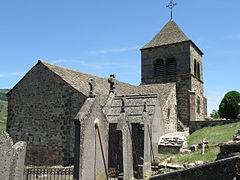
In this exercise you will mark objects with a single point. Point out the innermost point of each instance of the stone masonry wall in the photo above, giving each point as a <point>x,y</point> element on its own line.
<point>185,53</point>
<point>197,84</point>
<point>170,113</point>
<point>196,125</point>
<point>218,170</point>
<point>197,87</point>
<point>40,112</point>
<point>181,52</point>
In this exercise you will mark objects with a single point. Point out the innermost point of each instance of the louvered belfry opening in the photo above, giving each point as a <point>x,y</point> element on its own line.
<point>198,70</point>
<point>159,69</point>
<point>171,66</point>
<point>195,67</point>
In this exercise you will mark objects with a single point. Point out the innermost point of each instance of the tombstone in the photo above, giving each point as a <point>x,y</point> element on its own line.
<point>236,137</point>
<point>17,167</point>
<point>113,83</point>
<point>11,158</point>
<point>6,155</point>
<point>125,127</point>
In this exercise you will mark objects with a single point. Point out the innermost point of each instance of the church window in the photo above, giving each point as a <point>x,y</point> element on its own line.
<point>198,105</point>
<point>195,67</point>
<point>198,70</point>
<point>171,66</point>
<point>159,69</point>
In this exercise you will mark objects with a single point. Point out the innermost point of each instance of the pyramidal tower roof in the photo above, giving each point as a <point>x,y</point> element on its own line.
<point>170,34</point>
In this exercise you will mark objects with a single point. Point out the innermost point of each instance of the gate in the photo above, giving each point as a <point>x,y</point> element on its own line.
<point>48,174</point>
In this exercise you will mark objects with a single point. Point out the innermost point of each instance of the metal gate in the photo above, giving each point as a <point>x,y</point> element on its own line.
<point>48,174</point>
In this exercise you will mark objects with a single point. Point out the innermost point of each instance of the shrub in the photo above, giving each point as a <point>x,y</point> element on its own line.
<point>228,107</point>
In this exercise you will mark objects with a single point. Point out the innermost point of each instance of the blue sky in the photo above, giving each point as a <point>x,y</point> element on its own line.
<point>104,37</point>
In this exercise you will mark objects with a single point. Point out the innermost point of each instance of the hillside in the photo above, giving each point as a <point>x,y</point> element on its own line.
<point>213,135</point>
<point>3,113</point>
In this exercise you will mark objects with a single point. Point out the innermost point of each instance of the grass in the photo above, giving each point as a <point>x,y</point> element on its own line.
<point>214,135</point>
<point>3,113</point>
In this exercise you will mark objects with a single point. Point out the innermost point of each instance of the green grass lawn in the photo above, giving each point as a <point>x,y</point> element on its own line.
<point>3,113</point>
<point>214,135</point>
<point>2,126</point>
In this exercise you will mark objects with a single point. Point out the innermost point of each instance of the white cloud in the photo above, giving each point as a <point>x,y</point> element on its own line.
<point>114,50</point>
<point>59,61</point>
<point>11,74</point>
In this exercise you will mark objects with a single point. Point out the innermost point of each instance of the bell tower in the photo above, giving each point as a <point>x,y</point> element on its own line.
<point>171,57</point>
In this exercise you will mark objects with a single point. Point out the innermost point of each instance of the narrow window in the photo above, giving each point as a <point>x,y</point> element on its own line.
<point>159,69</point>
<point>171,66</point>
<point>198,70</point>
<point>198,105</point>
<point>168,113</point>
<point>195,67</point>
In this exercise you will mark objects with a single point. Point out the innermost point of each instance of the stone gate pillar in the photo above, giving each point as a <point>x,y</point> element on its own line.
<point>125,127</point>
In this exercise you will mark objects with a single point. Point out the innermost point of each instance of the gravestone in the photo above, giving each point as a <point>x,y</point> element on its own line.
<point>12,158</point>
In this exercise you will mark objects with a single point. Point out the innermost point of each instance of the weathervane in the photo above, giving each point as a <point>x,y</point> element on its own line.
<point>171,6</point>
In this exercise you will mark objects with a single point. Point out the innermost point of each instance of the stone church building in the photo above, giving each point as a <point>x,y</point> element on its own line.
<point>68,117</point>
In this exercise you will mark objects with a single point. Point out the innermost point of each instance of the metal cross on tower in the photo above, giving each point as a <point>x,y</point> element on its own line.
<point>171,6</point>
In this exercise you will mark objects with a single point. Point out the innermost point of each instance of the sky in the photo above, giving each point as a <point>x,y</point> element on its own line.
<point>102,37</point>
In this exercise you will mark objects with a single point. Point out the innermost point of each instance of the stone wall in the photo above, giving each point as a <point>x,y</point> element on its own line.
<point>185,53</point>
<point>197,87</point>
<point>40,111</point>
<point>11,158</point>
<point>170,113</point>
<point>218,170</point>
<point>196,125</point>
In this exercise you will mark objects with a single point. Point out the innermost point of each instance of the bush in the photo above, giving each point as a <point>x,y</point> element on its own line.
<point>228,107</point>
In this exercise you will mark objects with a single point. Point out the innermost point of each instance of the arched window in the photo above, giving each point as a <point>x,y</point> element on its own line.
<point>171,67</point>
<point>198,105</point>
<point>159,69</point>
<point>198,70</point>
<point>195,67</point>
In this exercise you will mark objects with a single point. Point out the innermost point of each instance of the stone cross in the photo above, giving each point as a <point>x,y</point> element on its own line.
<point>92,85</point>
<point>123,100</point>
<point>171,6</point>
<point>145,107</point>
<point>203,146</point>
<point>113,83</point>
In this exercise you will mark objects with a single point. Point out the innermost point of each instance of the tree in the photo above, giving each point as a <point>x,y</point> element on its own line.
<point>228,107</point>
<point>214,114</point>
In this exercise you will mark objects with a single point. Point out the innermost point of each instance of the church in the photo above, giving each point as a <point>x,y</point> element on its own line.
<point>68,117</point>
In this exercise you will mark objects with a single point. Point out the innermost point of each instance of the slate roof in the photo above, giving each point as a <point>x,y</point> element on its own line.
<point>134,105</point>
<point>79,80</point>
<point>170,34</point>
